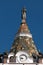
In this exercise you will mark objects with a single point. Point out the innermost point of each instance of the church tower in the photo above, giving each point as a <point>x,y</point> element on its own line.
<point>23,40</point>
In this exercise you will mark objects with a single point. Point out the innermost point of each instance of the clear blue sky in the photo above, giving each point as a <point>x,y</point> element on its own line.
<point>10,19</point>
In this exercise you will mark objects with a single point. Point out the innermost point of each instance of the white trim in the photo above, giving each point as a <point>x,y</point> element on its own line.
<point>24,34</point>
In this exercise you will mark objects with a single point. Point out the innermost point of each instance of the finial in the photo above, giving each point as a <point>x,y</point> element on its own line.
<point>23,14</point>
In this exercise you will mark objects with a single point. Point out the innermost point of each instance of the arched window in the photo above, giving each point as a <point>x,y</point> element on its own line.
<point>11,59</point>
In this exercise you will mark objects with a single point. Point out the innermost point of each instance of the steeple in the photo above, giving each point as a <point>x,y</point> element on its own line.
<point>23,40</point>
<point>23,15</point>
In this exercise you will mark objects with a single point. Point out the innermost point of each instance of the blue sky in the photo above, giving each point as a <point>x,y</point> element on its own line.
<point>10,19</point>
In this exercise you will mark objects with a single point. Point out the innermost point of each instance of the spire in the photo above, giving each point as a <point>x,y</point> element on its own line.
<point>23,15</point>
<point>23,40</point>
<point>23,27</point>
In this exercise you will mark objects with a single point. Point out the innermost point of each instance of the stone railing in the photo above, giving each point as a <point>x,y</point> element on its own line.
<point>20,64</point>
